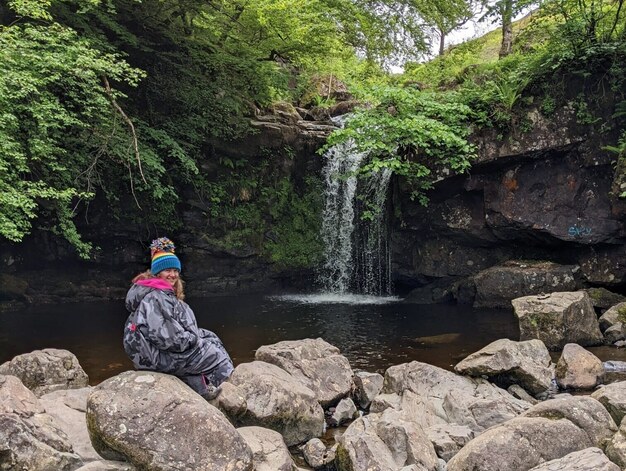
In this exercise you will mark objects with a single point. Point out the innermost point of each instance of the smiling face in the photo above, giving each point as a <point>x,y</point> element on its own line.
<point>170,275</point>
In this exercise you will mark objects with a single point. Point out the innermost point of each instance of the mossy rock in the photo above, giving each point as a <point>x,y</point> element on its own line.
<point>602,298</point>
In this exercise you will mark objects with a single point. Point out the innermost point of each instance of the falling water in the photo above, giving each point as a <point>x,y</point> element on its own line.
<point>354,226</point>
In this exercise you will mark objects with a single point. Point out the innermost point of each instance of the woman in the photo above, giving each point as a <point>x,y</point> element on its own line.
<point>161,333</point>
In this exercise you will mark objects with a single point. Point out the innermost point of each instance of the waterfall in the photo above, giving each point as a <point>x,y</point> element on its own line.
<point>354,226</point>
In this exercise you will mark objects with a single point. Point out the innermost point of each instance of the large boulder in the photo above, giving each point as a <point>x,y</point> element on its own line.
<point>613,398</point>
<point>520,444</point>
<point>30,439</point>
<point>583,411</point>
<point>578,368</point>
<point>433,396</point>
<point>497,286</point>
<point>558,319</point>
<point>269,451</point>
<point>385,442</point>
<point>315,363</point>
<point>508,362</point>
<point>278,401</point>
<point>156,422</point>
<point>44,371</point>
<point>584,460</point>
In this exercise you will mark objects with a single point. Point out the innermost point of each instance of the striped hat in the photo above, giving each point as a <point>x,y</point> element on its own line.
<point>162,253</point>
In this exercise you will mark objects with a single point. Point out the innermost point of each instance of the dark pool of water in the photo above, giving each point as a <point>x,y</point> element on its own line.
<point>372,336</point>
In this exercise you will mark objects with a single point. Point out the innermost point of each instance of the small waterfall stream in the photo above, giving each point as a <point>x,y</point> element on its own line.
<point>354,226</point>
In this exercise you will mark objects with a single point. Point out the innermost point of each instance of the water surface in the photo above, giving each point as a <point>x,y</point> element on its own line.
<point>373,332</point>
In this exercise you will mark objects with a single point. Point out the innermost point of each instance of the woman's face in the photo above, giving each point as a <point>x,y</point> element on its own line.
<point>170,275</point>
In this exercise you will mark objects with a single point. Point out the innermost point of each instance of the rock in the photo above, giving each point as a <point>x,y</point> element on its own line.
<point>614,333</point>
<point>578,368</point>
<point>30,439</point>
<point>106,466</point>
<point>317,455</point>
<point>269,452</point>
<point>498,285</point>
<point>367,386</point>
<point>584,460</point>
<point>68,409</point>
<point>519,392</point>
<point>44,371</point>
<point>558,319</point>
<point>507,362</point>
<point>231,400</point>
<point>612,316</point>
<point>602,298</point>
<point>616,448</point>
<point>613,398</point>
<point>278,401</point>
<point>433,396</point>
<point>520,444</point>
<point>344,412</point>
<point>583,411</point>
<point>449,439</point>
<point>385,442</point>
<point>156,422</point>
<point>313,362</point>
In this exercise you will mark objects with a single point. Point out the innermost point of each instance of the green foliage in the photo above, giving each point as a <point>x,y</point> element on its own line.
<point>418,135</point>
<point>256,208</point>
<point>54,110</point>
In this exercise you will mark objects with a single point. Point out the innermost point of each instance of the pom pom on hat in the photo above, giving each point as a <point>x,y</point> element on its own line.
<point>162,254</point>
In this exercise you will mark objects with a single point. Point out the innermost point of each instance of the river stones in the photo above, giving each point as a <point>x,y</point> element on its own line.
<point>315,363</point>
<point>583,411</point>
<point>44,371</point>
<point>508,362</point>
<point>278,401</point>
<point>558,319</point>
<point>30,439</point>
<point>269,452</point>
<point>433,396</point>
<point>616,449</point>
<point>578,368</point>
<point>613,315</point>
<point>613,398</point>
<point>520,444</point>
<point>385,442</point>
<point>367,386</point>
<point>584,460</point>
<point>156,422</point>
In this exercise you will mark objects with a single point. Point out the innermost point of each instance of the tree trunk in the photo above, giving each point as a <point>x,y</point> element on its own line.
<point>442,41</point>
<point>507,28</point>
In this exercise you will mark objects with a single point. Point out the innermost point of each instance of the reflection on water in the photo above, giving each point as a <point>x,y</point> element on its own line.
<point>373,333</point>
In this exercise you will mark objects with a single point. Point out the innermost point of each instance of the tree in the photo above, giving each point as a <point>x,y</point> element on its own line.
<point>504,11</point>
<point>446,17</point>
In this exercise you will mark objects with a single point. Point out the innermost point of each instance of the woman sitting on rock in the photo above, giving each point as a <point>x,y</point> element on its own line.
<point>162,334</point>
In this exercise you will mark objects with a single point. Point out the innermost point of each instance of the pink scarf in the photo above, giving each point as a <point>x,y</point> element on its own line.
<point>156,283</point>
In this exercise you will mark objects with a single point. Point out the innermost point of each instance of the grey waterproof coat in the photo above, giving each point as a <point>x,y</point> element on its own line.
<point>161,334</point>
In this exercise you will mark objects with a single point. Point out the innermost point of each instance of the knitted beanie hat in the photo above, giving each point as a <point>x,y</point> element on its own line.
<point>162,254</point>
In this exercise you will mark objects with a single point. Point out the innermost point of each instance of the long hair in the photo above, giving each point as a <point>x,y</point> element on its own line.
<point>179,286</point>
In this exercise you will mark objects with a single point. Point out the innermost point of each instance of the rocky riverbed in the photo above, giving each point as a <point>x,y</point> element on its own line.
<point>505,407</point>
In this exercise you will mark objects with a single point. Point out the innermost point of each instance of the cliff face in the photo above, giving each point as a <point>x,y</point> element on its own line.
<point>540,195</point>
